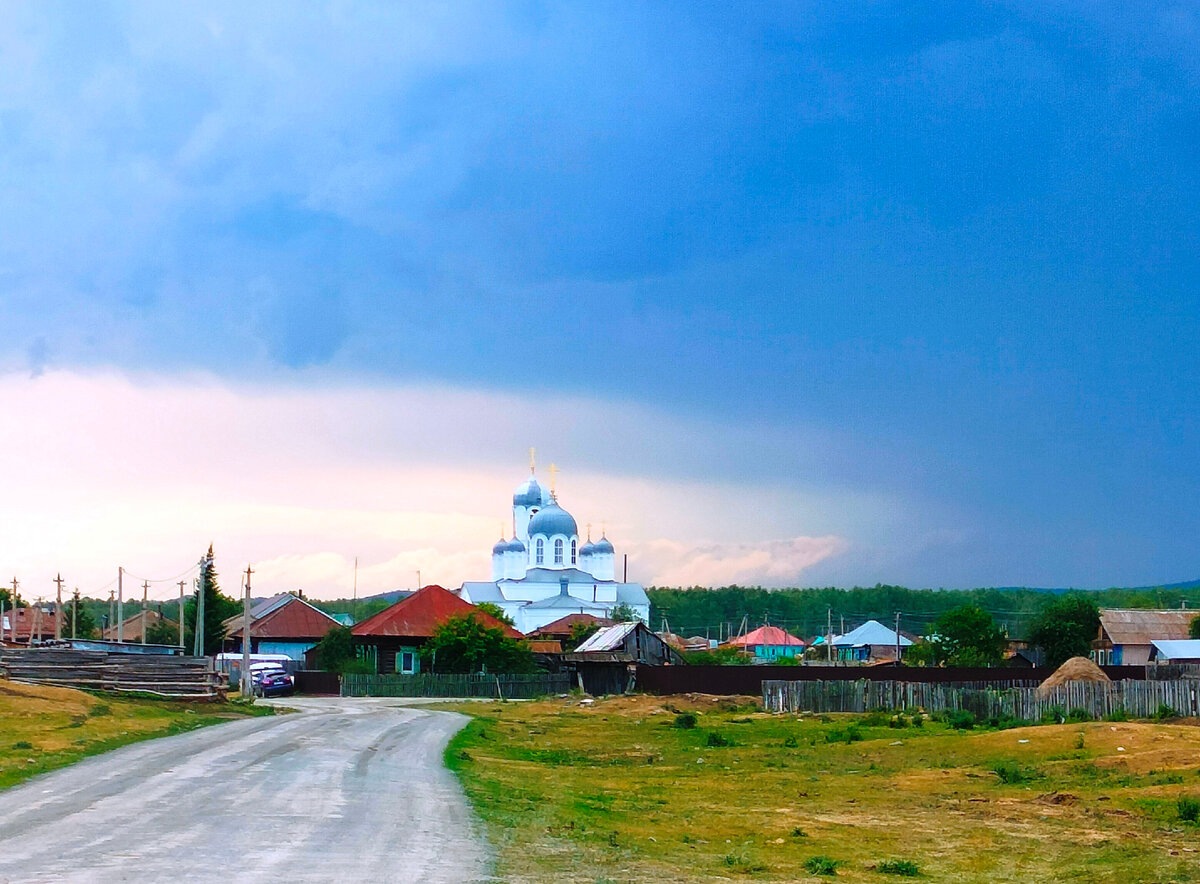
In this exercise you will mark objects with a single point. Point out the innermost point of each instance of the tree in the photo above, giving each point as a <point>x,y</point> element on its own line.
<point>624,613</point>
<point>968,636</point>
<point>163,632</point>
<point>1065,627</point>
<point>494,610</point>
<point>86,628</point>
<point>217,608</point>
<point>581,632</point>
<point>335,652</point>
<point>464,643</point>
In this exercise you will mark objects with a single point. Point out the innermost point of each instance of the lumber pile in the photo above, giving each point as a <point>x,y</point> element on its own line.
<point>191,678</point>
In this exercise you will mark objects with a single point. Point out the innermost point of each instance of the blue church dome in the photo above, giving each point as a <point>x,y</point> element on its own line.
<point>515,545</point>
<point>529,493</point>
<point>501,546</point>
<point>602,546</point>
<point>587,549</point>
<point>552,520</point>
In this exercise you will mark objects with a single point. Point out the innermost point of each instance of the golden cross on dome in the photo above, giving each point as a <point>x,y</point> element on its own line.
<point>554,481</point>
<point>589,532</point>
<point>532,460</point>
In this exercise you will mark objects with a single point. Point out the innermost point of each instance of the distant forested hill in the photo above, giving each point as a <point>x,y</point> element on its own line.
<point>805,612</point>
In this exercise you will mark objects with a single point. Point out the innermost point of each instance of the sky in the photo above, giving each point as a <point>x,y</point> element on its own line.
<point>827,294</point>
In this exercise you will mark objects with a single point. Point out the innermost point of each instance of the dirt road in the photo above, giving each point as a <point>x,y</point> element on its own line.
<point>347,790</point>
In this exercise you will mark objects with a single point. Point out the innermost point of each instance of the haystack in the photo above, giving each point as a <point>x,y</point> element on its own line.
<point>1075,669</point>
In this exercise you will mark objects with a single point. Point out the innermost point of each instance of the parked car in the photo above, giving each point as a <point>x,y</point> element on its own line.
<point>271,680</point>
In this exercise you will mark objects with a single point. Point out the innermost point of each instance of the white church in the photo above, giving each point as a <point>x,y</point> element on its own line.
<point>543,573</point>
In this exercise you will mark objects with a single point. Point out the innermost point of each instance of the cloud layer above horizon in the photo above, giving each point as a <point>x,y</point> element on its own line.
<point>833,294</point>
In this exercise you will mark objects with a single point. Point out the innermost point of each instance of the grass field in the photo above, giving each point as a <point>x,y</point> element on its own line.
<point>622,790</point>
<point>44,728</point>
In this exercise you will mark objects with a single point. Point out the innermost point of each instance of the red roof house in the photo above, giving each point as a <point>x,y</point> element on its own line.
<point>768,642</point>
<point>561,629</point>
<point>284,624</point>
<point>393,637</point>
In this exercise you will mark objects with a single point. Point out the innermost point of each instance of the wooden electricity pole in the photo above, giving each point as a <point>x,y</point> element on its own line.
<point>58,581</point>
<point>75,614</point>
<point>897,638</point>
<point>181,584</point>
<point>247,686</point>
<point>120,605</point>
<point>200,610</point>
<point>145,602</point>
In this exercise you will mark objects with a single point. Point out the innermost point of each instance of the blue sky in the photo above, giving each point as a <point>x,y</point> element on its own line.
<point>941,256</point>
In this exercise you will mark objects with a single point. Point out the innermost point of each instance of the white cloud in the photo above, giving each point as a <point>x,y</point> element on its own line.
<point>104,470</point>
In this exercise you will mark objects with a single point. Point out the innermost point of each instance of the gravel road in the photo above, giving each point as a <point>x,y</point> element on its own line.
<point>347,790</point>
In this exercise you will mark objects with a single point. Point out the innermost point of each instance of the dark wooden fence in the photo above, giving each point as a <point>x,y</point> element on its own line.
<point>187,678</point>
<point>1139,699</point>
<point>749,679</point>
<point>313,681</point>
<point>508,687</point>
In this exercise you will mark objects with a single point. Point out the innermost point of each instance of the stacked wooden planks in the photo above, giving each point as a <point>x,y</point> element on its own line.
<point>190,678</point>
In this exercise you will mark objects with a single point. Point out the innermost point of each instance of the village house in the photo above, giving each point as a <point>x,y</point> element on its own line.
<point>132,628</point>
<point>562,629</point>
<point>1127,635</point>
<point>34,623</point>
<point>869,643</point>
<point>606,662</point>
<point>285,624</point>
<point>768,643</point>
<point>392,639</point>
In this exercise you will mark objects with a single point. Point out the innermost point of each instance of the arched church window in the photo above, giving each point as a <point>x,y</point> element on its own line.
<point>541,551</point>
<point>558,551</point>
<point>573,542</point>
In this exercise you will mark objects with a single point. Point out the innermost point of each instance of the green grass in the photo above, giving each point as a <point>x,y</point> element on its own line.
<point>616,791</point>
<point>43,729</point>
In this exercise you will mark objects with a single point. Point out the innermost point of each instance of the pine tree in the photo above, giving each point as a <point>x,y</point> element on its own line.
<point>86,628</point>
<point>217,608</point>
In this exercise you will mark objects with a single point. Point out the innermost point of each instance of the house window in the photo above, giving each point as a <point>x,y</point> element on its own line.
<point>541,551</point>
<point>407,661</point>
<point>558,551</point>
<point>573,542</point>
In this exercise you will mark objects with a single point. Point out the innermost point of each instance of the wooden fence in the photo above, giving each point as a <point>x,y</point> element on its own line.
<point>1139,699</point>
<point>507,687</point>
<point>190,678</point>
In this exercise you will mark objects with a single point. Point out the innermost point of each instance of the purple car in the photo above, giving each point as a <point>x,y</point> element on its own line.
<point>271,680</point>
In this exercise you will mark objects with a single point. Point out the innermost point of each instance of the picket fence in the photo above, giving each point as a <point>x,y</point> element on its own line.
<point>1139,699</point>
<point>505,687</point>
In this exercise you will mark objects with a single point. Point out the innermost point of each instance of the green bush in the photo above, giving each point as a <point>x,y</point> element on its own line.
<point>715,739</point>
<point>1187,808</point>
<point>821,865</point>
<point>23,744</point>
<point>1163,712</point>
<point>902,867</point>
<point>1005,722</point>
<point>851,734</point>
<point>1012,774</point>
<point>1078,716</point>
<point>1054,715</point>
<point>960,720</point>
<point>875,718</point>
<point>1118,714</point>
<point>685,721</point>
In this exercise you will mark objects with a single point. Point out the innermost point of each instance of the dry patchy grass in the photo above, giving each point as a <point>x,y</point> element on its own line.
<point>44,728</point>
<point>614,791</point>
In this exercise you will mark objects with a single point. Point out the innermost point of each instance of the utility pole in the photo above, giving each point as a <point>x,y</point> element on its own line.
<point>829,634</point>
<point>112,609</point>
<point>200,609</point>
<point>246,683</point>
<point>897,638</point>
<point>58,581</point>
<point>354,597</point>
<point>12,614</point>
<point>181,584</point>
<point>120,605</point>
<point>145,602</point>
<point>75,614</point>
<point>35,622</point>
